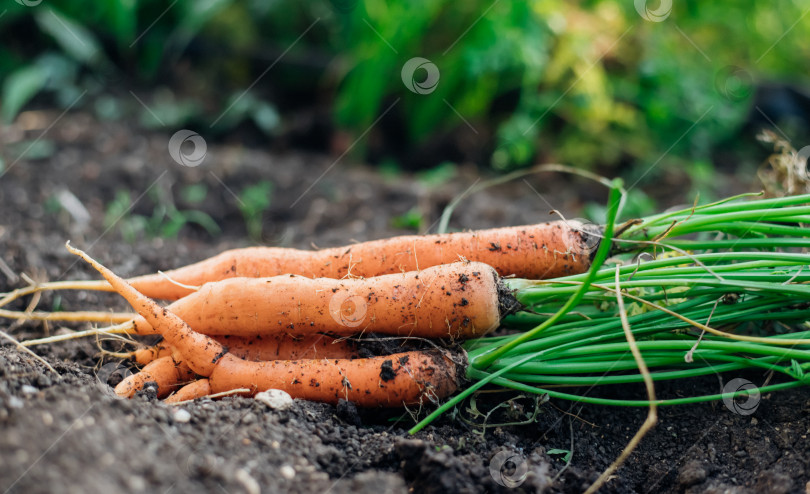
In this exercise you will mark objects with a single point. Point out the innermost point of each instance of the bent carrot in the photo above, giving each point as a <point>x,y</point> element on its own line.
<point>200,352</point>
<point>459,300</point>
<point>541,251</point>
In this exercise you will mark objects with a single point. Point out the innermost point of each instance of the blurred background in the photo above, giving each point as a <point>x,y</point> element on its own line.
<point>657,92</point>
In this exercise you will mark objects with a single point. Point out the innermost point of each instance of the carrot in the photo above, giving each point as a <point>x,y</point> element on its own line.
<point>191,391</point>
<point>165,371</point>
<point>271,347</point>
<point>459,300</point>
<point>389,381</point>
<point>376,381</point>
<point>144,356</point>
<point>200,352</point>
<point>541,251</point>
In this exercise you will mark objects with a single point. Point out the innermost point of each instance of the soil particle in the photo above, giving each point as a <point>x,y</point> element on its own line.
<point>387,371</point>
<point>693,472</point>
<point>347,412</point>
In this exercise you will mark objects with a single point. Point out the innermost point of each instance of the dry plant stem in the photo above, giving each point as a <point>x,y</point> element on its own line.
<point>652,415</point>
<point>80,316</point>
<point>98,285</point>
<point>124,328</point>
<point>28,351</point>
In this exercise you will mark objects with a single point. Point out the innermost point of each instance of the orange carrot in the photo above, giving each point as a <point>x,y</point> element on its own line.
<point>200,352</point>
<point>459,300</point>
<point>389,381</point>
<point>144,356</point>
<point>546,250</point>
<point>408,378</point>
<point>196,389</point>
<point>165,371</point>
<point>270,347</point>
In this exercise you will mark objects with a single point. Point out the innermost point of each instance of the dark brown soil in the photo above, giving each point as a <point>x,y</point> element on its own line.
<point>66,432</point>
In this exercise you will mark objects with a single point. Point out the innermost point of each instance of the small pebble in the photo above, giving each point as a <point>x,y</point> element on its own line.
<point>248,483</point>
<point>27,389</point>
<point>15,402</point>
<point>275,399</point>
<point>287,472</point>
<point>181,416</point>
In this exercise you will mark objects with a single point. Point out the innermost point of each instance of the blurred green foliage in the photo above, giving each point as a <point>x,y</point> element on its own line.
<point>584,82</point>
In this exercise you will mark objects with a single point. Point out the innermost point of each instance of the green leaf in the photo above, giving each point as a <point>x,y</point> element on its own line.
<point>19,88</point>
<point>253,200</point>
<point>194,193</point>
<point>565,452</point>
<point>412,220</point>
<point>76,40</point>
<point>266,118</point>
<point>37,149</point>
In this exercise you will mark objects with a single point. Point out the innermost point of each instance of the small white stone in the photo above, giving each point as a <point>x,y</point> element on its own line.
<point>275,399</point>
<point>28,389</point>
<point>15,402</point>
<point>287,472</point>
<point>182,416</point>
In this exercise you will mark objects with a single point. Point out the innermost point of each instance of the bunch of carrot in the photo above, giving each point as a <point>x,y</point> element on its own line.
<point>261,318</point>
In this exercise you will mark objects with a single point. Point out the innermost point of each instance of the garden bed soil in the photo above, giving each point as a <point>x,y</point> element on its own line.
<point>67,432</point>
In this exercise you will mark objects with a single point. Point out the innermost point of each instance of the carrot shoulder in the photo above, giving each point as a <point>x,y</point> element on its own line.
<point>546,250</point>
